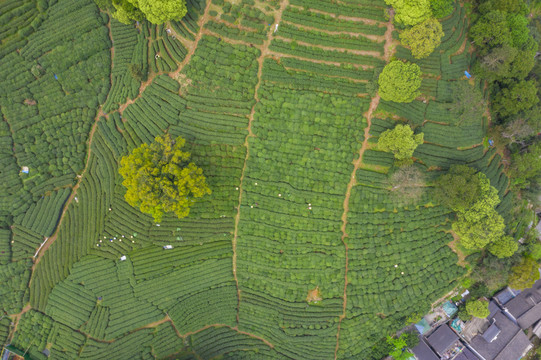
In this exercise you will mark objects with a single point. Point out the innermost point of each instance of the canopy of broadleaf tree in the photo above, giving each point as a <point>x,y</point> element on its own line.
<point>155,11</point>
<point>478,308</point>
<point>159,178</point>
<point>410,12</point>
<point>401,142</point>
<point>524,274</point>
<point>474,200</point>
<point>399,82</point>
<point>423,38</point>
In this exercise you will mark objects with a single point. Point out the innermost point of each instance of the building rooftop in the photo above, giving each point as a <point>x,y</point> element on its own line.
<point>466,354</point>
<point>442,339</point>
<point>491,333</point>
<point>510,340</point>
<point>505,295</point>
<point>423,352</point>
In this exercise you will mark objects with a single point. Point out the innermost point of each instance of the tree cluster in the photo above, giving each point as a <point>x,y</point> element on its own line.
<point>423,31</point>
<point>155,11</point>
<point>474,200</point>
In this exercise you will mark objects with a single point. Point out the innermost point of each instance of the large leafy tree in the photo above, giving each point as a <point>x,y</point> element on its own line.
<point>504,247</point>
<point>160,11</point>
<point>518,97</point>
<point>155,11</point>
<point>478,308</point>
<point>491,30</point>
<point>410,12</point>
<point>423,38</point>
<point>480,224</point>
<point>477,231</point>
<point>525,168</point>
<point>459,188</point>
<point>524,274</point>
<point>159,178</point>
<point>400,81</point>
<point>401,142</point>
<point>399,345</point>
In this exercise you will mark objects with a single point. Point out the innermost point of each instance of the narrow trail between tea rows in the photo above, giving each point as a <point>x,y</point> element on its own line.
<point>264,51</point>
<point>356,165</point>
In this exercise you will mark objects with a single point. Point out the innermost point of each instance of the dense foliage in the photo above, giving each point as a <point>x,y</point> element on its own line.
<point>399,81</point>
<point>524,274</point>
<point>423,38</point>
<point>459,188</point>
<point>478,308</point>
<point>159,178</point>
<point>401,141</point>
<point>155,11</point>
<point>410,12</point>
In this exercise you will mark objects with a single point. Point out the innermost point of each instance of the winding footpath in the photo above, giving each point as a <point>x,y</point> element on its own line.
<point>264,51</point>
<point>388,51</point>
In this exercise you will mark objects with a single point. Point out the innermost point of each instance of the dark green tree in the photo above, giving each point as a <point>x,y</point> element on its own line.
<point>491,30</point>
<point>515,98</point>
<point>459,188</point>
<point>442,8</point>
<point>525,168</point>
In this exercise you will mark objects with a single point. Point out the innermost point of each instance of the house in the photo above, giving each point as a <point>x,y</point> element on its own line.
<point>442,339</point>
<point>466,354</point>
<point>501,340</point>
<point>423,352</point>
<point>525,308</point>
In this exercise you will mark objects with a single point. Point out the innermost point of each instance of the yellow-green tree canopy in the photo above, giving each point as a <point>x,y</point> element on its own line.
<point>410,12</point>
<point>159,178</point>
<point>478,308</point>
<point>399,81</point>
<point>423,38</point>
<point>474,199</point>
<point>401,142</point>
<point>155,11</point>
<point>480,224</point>
<point>503,247</point>
<point>524,274</point>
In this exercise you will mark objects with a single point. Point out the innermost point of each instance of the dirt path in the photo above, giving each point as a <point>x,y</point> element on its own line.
<point>54,236</point>
<point>235,328</point>
<point>264,51</point>
<point>191,50</point>
<point>356,165</point>
<point>453,245</point>
<point>16,319</point>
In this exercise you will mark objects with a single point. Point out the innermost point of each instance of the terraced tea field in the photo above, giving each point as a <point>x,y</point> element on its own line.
<point>299,253</point>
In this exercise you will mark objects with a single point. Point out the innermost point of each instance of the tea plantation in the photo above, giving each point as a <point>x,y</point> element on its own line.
<point>299,253</point>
